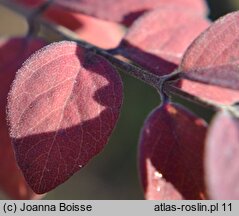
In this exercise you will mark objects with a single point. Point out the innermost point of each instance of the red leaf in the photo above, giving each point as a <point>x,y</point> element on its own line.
<point>209,92</point>
<point>12,54</point>
<point>110,34</point>
<point>171,153</point>
<point>62,108</point>
<point>85,26</point>
<point>159,38</point>
<point>222,153</point>
<point>126,11</point>
<point>213,58</point>
<point>224,75</point>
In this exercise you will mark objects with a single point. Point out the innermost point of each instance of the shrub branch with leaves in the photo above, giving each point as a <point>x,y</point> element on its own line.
<point>64,101</point>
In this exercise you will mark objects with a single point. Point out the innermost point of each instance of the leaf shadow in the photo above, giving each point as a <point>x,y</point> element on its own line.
<point>155,64</point>
<point>129,18</point>
<point>48,159</point>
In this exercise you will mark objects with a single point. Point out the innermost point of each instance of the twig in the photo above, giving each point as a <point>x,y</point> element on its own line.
<point>153,80</point>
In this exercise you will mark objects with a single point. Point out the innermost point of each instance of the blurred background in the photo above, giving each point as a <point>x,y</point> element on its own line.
<point>113,173</point>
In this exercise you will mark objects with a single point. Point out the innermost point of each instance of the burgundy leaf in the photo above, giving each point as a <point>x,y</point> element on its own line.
<point>171,154</point>
<point>222,154</point>
<point>13,53</point>
<point>159,38</point>
<point>210,92</point>
<point>224,75</point>
<point>213,59</point>
<point>126,11</point>
<point>62,109</point>
<point>87,27</point>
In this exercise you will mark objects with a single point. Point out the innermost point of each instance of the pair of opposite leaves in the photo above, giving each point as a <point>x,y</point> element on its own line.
<point>65,102</point>
<point>173,141</point>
